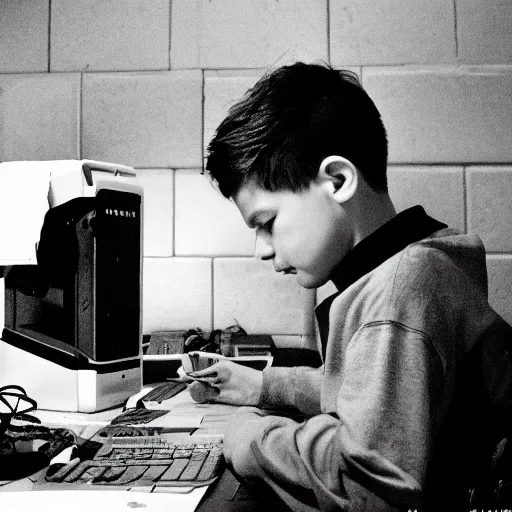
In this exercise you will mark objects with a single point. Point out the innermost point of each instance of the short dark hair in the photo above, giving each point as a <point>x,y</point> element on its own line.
<point>294,117</point>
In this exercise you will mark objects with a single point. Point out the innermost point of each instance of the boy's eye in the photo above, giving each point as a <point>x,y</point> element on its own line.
<point>267,226</point>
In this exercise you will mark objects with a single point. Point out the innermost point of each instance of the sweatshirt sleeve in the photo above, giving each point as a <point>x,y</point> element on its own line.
<point>297,387</point>
<point>368,455</point>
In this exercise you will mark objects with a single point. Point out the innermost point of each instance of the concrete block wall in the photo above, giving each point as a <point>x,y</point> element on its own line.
<point>146,83</point>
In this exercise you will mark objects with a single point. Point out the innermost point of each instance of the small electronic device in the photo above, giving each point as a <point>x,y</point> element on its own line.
<point>163,391</point>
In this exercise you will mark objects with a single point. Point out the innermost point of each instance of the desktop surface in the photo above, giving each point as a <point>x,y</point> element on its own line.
<point>201,424</point>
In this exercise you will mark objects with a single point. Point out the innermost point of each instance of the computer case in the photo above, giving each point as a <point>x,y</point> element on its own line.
<point>73,322</point>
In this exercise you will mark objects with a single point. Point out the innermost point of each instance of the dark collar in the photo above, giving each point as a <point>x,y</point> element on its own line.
<point>407,227</point>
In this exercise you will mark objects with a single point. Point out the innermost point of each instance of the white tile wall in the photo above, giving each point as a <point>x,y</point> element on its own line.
<point>440,190</point>
<point>500,283</point>
<point>365,32</point>
<point>39,116</point>
<point>107,35</point>
<point>247,33</point>
<point>185,34</point>
<point>484,31</point>
<point>158,188</point>
<point>490,206</point>
<point>221,92</point>
<point>249,291</point>
<point>438,115</point>
<point>24,36</point>
<point>208,224</point>
<point>177,294</point>
<point>446,112</point>
<point>143,120</point>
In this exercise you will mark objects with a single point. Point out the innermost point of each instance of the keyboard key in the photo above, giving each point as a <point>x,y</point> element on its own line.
<point>209,469</point>
<point>105,451</point>
<point>174,472</point>
<point>182,454</point>
<point>193,468</point>
<point>155,472</point>
<point>122,454</point>
<point>62,472</point>
<point>91,473</point>
<point>143,453</point>
<point>77,472</point>
<point>110,475</point>
<point>162,454</point>
<point>148,462</point>
<point>131,474</point>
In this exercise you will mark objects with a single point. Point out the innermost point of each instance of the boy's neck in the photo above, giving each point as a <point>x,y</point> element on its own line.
<point>374,210</point>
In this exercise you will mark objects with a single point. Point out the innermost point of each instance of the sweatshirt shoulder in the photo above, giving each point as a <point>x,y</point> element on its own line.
<point>452,242</point>
<point>443,257</point>
<point>447,247</point>
<point>439,269</point>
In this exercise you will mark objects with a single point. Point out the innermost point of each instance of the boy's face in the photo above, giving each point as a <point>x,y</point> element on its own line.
<point>305,233</point>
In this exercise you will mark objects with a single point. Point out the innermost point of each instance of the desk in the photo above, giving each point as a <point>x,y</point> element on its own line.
<point>225,494</point>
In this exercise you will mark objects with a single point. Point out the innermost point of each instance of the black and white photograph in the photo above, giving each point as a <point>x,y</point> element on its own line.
<point>256,255</point>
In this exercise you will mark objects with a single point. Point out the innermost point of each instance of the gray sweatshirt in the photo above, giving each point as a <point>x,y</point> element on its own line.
<point>415,380</point>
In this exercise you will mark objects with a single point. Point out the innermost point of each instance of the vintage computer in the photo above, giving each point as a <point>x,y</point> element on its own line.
<point>73,321</point>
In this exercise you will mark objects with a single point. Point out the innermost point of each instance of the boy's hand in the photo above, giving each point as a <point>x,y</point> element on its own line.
<point>240,431</point>
<point>227,382</point>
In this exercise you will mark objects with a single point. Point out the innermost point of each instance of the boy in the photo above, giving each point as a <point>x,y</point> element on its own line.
<point>416,381</point>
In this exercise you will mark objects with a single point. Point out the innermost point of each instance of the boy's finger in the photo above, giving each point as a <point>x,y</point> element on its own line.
<point>185,379</point>
<point>207,372</point>
<point>205,380</point>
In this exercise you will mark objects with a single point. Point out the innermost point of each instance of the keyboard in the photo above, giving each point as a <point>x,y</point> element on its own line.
<point>145,461</point>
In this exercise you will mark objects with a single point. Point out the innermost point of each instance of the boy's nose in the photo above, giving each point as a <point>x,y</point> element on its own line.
<point>263,248</point>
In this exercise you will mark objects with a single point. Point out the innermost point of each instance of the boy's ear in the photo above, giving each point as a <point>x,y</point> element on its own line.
<point>341,175</point>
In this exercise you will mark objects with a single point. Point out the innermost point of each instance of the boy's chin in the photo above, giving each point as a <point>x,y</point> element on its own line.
<point>310,281</point>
